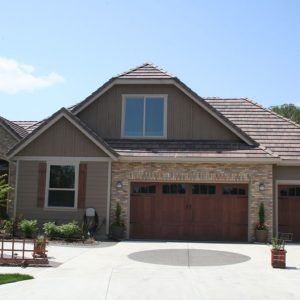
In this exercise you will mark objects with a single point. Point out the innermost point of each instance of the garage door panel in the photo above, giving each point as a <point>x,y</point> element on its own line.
<point>289,210</point>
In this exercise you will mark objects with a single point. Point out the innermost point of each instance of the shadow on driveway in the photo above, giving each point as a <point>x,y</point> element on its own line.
<point>189,257</point>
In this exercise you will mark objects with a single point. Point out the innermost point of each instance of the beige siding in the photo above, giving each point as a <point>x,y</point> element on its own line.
<point>287,173</point>
<point>96,196</point>
<point>186,119</point>
<point>62,139</point>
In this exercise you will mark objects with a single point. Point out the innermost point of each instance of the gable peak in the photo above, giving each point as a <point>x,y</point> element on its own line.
<point>146,70</point>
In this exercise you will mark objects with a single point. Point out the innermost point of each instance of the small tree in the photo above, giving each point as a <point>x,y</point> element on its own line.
<point>5,188</point>
<point>118,222</point>
<point>261,214</point>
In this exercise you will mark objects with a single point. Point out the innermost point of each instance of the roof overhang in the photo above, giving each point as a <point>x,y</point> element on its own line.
<point>177,159</point>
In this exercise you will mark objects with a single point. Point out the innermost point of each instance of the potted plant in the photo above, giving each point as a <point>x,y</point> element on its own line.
<point>40,246</point>
<point>261,230</point>
<point>278,253</point>
<point>117,227</point>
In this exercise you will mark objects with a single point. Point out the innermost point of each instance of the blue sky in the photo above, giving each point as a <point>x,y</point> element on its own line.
<point>55,53</point>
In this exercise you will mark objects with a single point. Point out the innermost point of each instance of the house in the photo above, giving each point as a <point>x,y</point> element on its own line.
<point>182,167</point>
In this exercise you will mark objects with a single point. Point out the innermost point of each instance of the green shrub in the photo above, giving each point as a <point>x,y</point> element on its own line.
<point>28,227</point>
<point>50,229</point>
<point>69,230</point>
<point>8,225</point>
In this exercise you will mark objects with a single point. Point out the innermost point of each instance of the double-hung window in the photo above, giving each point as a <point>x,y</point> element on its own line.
<point>62,186</point>
<point>144,116</point>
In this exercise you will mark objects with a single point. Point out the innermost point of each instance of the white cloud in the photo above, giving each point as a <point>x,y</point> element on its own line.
<point>16,77</point>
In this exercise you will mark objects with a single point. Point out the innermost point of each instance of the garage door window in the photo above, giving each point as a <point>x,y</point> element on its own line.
<point>144,189</point>
<point>229,190</point>
<point>291,192</point>
<point>203,189</point>
<point>177,188</point>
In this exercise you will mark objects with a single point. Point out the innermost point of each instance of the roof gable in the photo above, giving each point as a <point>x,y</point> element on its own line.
<point>150,74</point>
<point>54,119</point>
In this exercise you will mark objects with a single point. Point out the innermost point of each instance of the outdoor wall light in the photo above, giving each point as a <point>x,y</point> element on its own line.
<point>119,184</point>
<point>261,187</point>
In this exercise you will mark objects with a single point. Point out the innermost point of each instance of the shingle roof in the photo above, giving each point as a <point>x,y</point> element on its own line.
<point>187,149</point>
<point>278,134</point>
<point>14,128</point>
<point>27,125</point>
<point>146,70</point>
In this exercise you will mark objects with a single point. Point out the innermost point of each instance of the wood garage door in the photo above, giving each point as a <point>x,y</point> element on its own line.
<point>289,210</point>
<point>189,211</point>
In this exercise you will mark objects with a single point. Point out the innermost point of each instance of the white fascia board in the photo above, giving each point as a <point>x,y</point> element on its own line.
<point>62,158</point>
<point>197,159</point>
<point>290,162</point>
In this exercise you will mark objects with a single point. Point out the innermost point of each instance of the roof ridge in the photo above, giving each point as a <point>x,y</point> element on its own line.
<point>272,112</point>
<point>143,65</point>
<point>223,98</point>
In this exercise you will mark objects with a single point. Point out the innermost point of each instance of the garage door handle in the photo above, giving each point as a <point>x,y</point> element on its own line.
<point>133,222</point>
<point>188,206</point>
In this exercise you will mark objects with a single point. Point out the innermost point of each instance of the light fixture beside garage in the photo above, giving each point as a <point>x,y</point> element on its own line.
<point>261,187</point>
<point>119,185</point>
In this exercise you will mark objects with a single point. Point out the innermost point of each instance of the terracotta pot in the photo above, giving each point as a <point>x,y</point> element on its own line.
<point>261,235</point>
<point>278,258</point>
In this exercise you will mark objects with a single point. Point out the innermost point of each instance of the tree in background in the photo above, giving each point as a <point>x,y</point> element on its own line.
<point>289,111</point>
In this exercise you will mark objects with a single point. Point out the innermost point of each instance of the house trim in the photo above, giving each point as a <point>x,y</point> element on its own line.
<point>108,198</point>
<point>176,159</point>
<point>16,191</point>
<point>62,159</point>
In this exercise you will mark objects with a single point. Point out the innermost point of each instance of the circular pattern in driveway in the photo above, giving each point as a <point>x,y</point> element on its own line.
<point>189,257</point>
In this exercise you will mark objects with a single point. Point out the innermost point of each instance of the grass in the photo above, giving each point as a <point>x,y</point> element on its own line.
<point>9,278</point>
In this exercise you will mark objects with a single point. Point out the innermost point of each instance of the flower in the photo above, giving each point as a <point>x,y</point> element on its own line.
<point>260,226</point>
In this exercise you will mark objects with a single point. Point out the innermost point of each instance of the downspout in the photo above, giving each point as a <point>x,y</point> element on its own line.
<point>108,198</point>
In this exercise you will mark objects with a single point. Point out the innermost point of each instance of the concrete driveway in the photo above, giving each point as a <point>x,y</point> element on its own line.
<point>160,270</point>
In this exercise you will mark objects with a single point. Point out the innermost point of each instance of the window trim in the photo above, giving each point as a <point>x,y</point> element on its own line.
<point>62,163</point>
<point>164,96</point>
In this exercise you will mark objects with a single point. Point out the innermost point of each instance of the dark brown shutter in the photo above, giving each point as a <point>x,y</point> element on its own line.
<point>82,185</point>
<point>41,184</point>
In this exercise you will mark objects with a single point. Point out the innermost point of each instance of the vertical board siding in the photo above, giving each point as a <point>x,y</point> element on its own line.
<point>185,120</point>
<point>96,195</point>
<point>62,139</point>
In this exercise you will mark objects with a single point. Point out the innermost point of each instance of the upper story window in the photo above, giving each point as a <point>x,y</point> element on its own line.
<point>144,116</point>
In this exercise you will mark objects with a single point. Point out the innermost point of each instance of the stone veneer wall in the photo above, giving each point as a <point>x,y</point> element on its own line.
<point>254,175</point>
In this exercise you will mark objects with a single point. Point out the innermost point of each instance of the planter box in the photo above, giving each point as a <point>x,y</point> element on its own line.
<point>117,232</point>
<point>261,236</point>
<point>278,258</point>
